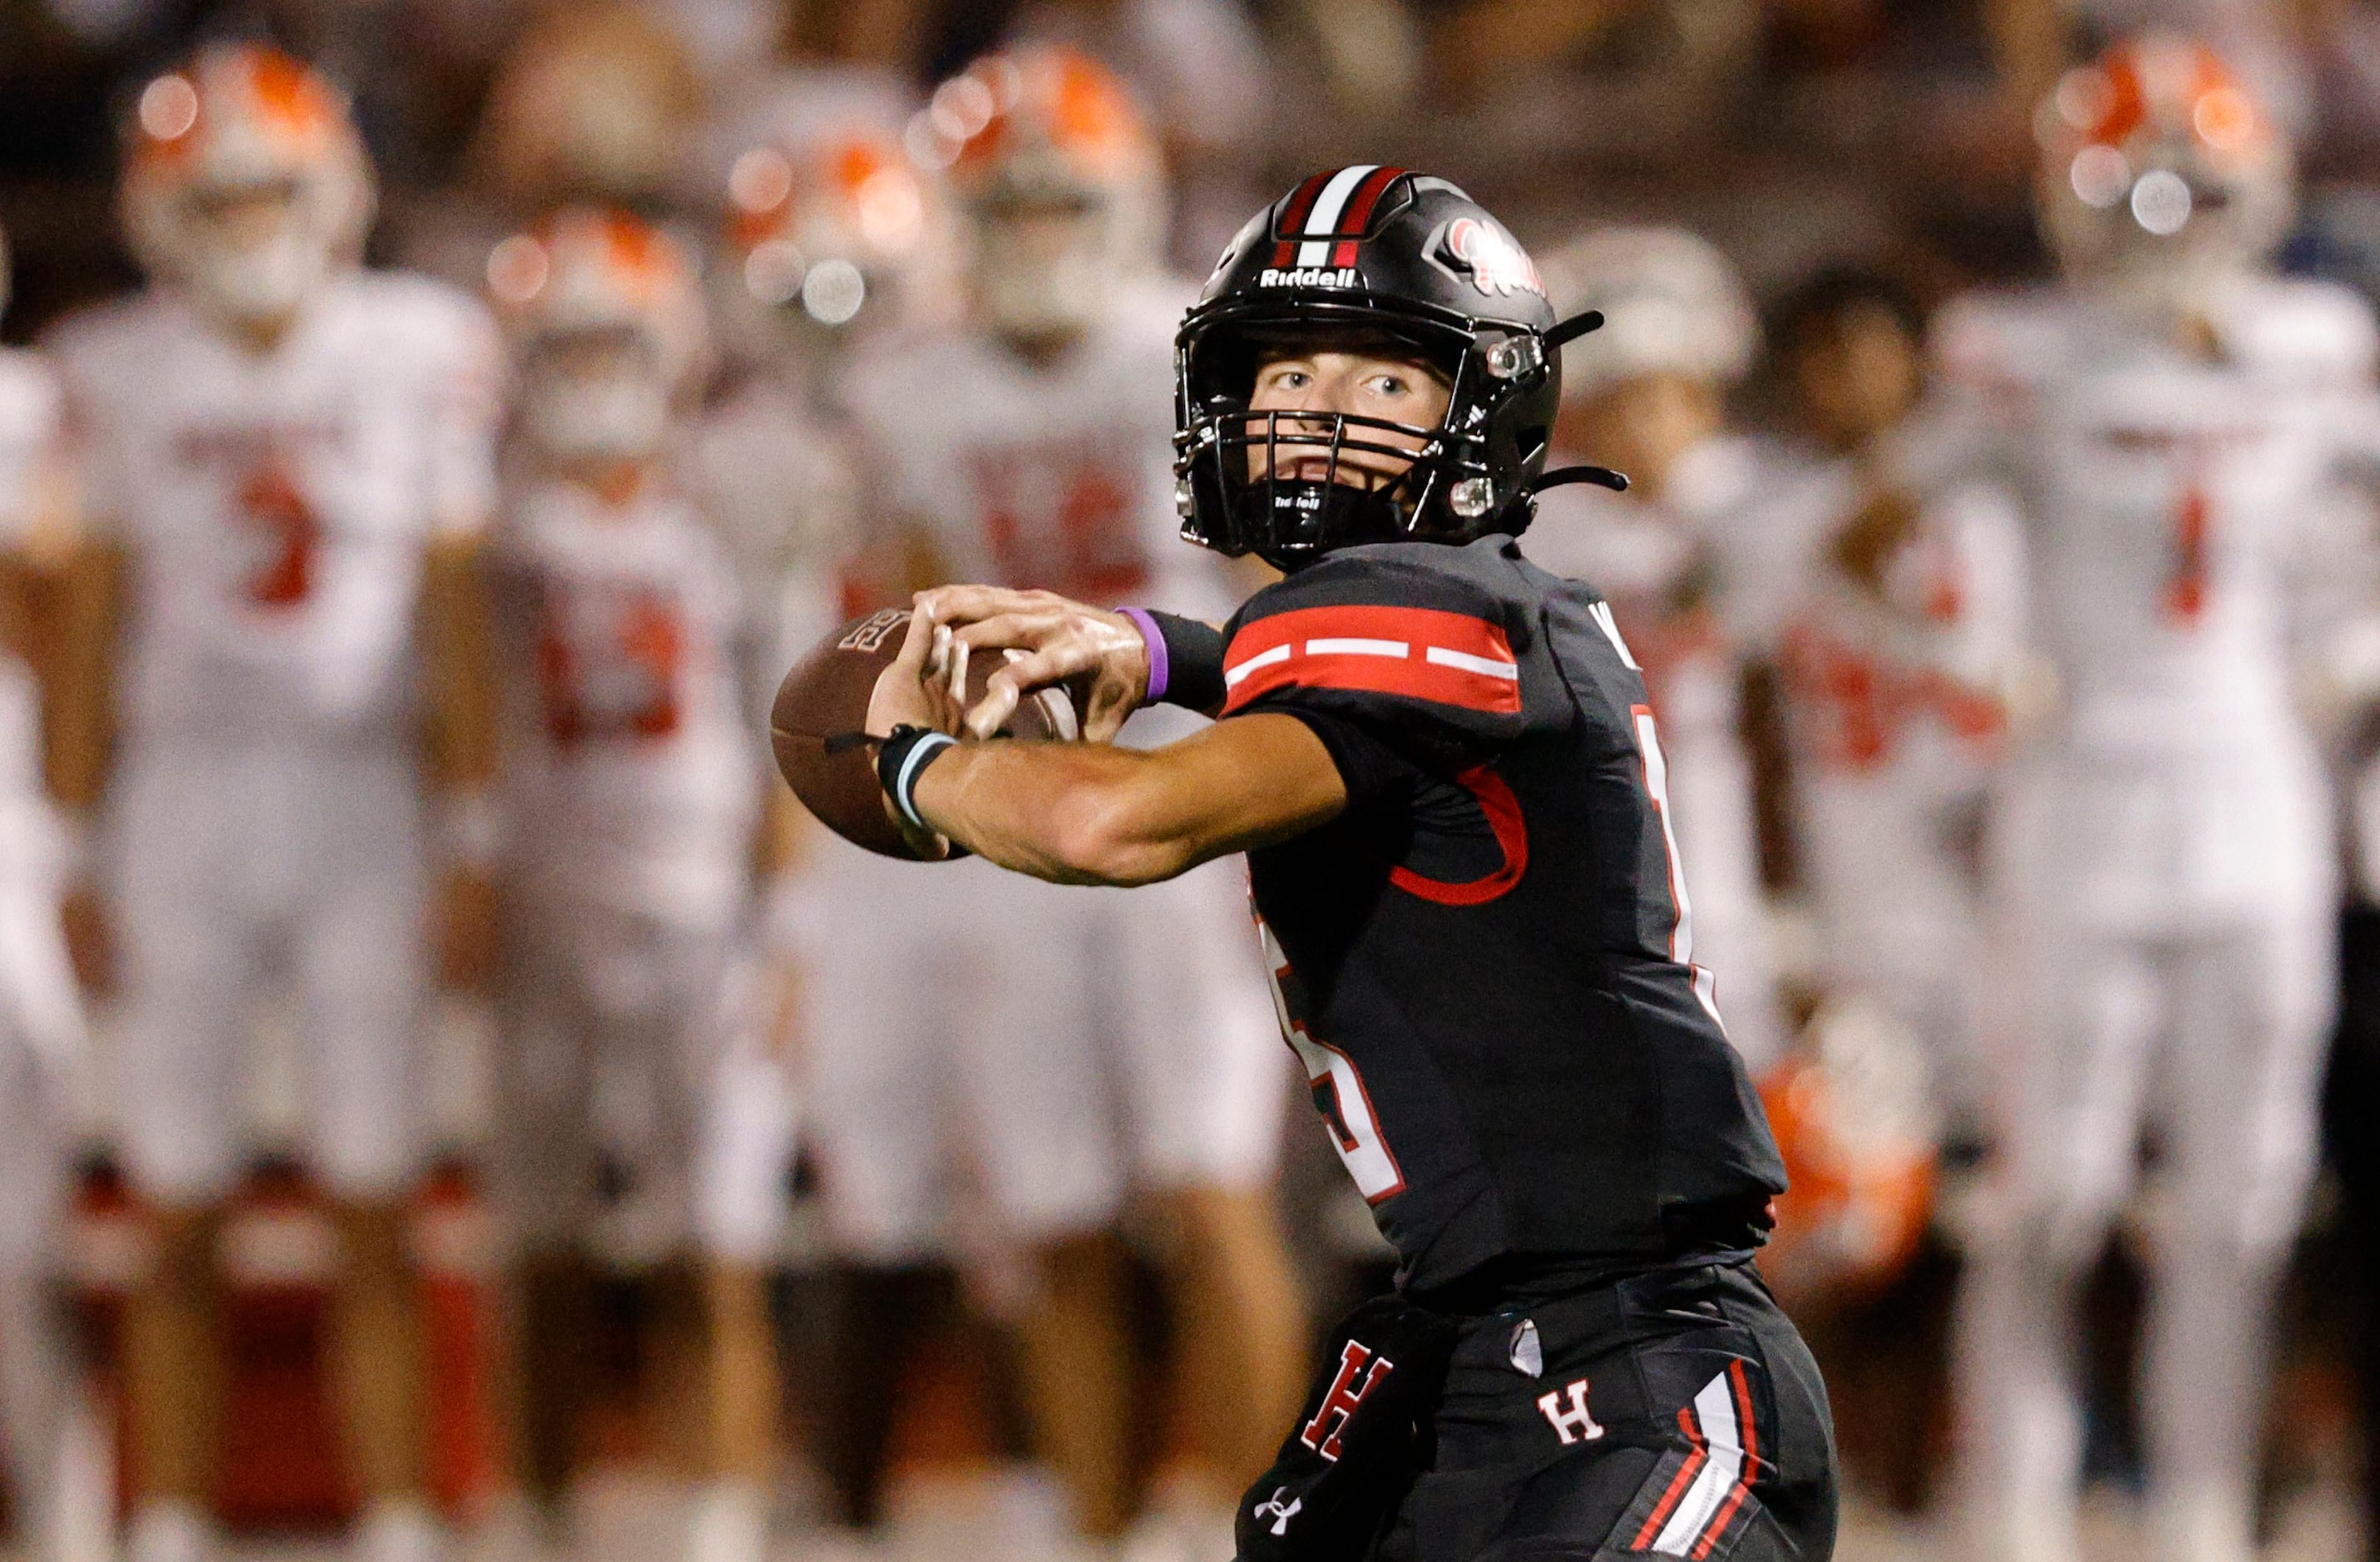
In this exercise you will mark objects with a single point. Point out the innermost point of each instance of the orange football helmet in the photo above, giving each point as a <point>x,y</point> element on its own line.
<point>605,312</point>
<point>2160,173</point>
<point>1853,1119</point>
<point>245,184</point>
<point>842,227</point>
<point>1060,177</point>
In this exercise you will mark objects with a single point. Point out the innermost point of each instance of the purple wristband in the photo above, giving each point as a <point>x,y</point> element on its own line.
<point>1160,668</point>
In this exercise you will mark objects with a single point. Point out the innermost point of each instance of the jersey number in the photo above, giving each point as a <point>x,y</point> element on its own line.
<point>1337,1089</point>
<point>1862,705</point>
<point>1063,520</point>
<point>1682,929</point>
<point>2185,589</point>
<point>277,516</point>
<point>608,663</point>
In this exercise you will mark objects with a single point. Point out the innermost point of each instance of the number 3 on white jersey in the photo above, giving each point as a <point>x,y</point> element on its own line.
<point>1656,787</point>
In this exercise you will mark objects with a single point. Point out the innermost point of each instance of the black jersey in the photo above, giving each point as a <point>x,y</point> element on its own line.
<point>1486,962</point>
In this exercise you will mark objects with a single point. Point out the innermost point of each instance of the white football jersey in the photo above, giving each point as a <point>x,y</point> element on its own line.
<point>1059,478</point>
<point>777,487</point>
<point>29,444</point>
<point>276,508</point>
<point>634,771</point>
<point>2168,495</point>
<point>1896,722</point>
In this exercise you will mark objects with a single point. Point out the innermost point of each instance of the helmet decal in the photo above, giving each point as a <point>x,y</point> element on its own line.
<point>1496,264</point>
<point>1321,223</point>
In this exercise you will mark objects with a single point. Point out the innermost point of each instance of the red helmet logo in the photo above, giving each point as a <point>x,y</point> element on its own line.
<point>1496,264</point>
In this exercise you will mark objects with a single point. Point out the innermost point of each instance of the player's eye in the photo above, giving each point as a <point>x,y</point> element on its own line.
<point>1389,385</point>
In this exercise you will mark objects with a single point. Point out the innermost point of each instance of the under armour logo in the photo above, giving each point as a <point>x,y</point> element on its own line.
<point>1280,1516</point>
<point>1571,1423</point>
<point>1339,1406</point>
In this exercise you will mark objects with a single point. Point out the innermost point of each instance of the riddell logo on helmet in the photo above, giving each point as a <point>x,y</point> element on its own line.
<point>1494,263</point>
<point>1309,277</point>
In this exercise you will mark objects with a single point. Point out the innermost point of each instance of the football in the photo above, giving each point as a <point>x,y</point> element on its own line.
<point>818,725</point>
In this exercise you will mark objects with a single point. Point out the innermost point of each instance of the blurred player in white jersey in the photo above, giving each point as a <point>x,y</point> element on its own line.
<point>52,1462</point>
<point>2171,417</point>
<point>1105,1046</point>
<point>1679,556</point>
<point>835,239</point>
<point>831,242</point>
<point>289,474</point>
<point>1897,654</point>
<point>638,1049</point>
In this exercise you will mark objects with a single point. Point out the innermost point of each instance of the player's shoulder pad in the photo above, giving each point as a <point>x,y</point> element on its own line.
<point>1424,625</point>
<point>1998,338</point>
<point>1149,310</point>
<point>424,318</point>
<point>2301,331</point>
<point>889,378</point>
<point>88,340</point>
<point>29,398</point>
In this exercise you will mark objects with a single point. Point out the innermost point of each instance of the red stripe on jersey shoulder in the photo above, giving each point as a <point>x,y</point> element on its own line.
<point>1417,653</point>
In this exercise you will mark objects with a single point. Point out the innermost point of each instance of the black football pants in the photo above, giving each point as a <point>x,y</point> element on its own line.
<point>1671,1414</point>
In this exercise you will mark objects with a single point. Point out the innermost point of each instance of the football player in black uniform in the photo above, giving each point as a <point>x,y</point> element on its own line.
<point>1441,762</point>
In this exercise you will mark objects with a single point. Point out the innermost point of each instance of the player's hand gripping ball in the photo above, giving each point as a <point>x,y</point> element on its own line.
<point>819,727</point>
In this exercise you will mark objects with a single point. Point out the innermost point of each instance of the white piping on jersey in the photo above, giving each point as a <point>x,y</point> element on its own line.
<point>1387,649</point>
<point>1601,612</point>
<point>1470,664</point>
<point>1714,1408</point>
<point>1656,787</point>
<point>1232,675</point>
<point>1316,252</point>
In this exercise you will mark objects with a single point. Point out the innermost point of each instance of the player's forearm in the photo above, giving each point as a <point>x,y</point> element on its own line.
<point>1069,813</point>
<point>1091,813</point>
<point>78,715</point>
<point>783,840</point>
<point>460,663</point>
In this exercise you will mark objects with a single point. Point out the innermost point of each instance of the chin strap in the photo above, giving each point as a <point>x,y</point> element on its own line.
<point>1571,330</point>
<point>1562,477</point>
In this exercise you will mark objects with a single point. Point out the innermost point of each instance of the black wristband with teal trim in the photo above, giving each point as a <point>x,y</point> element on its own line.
<point>902,758</point>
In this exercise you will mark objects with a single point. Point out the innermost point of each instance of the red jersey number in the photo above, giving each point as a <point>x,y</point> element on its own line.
<point>287,535</point>
<point>2185,589</point>
<point>608,660</point>
<point>1062,518</point>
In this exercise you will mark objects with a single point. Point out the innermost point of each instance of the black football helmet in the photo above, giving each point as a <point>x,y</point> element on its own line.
<point>1369,258</point>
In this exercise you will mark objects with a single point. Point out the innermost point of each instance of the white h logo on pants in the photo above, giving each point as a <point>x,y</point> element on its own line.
<point>1571,1423</point>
